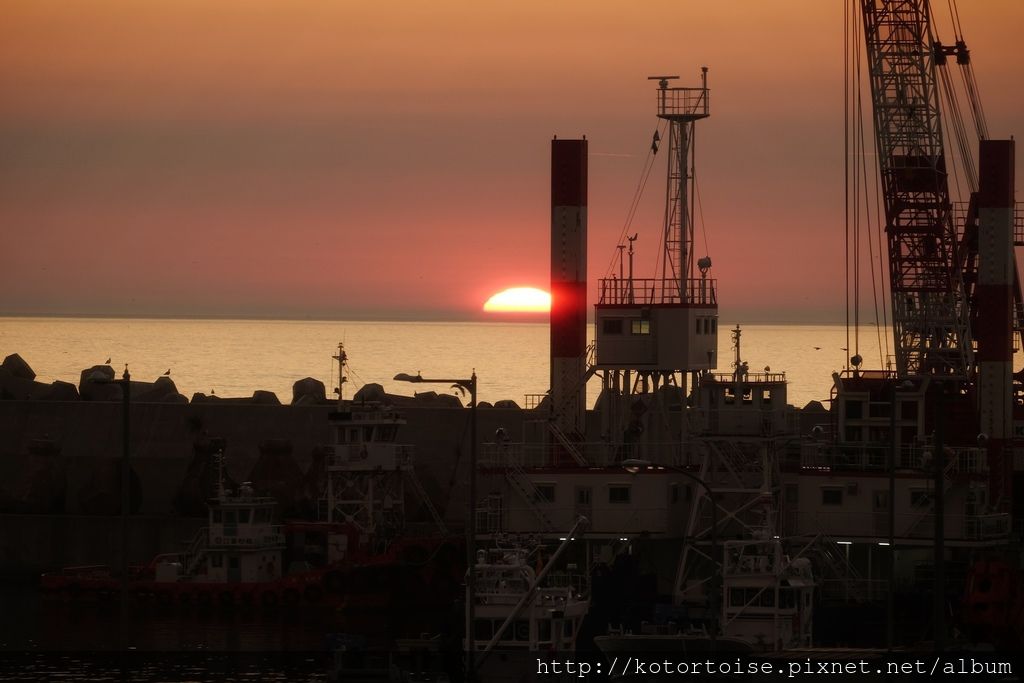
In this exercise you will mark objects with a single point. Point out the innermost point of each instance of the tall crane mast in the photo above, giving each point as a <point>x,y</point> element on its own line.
<point>931,321</point>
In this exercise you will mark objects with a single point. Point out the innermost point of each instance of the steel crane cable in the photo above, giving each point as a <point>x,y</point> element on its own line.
<point>638,193</point>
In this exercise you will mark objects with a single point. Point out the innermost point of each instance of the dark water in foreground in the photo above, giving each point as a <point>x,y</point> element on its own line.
<point>44,640</point>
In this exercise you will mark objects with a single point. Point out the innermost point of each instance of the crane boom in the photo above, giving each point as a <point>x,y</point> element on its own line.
<point>930,314</point>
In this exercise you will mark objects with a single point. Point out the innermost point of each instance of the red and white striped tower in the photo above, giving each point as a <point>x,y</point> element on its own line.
<point>568,284</point>
<point>994,323</point>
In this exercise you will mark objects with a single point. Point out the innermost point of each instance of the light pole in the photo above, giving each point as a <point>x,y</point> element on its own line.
<point>632,466</point>
<point>470,386</point>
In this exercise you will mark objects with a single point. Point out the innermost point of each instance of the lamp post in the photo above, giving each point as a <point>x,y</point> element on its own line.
<point>470,386</point>
<point>633,465</point>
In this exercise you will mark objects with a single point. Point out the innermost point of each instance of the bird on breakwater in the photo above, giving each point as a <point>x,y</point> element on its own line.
<point>168,372</point>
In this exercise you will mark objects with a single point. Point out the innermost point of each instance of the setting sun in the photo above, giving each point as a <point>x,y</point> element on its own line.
<point>520,300</point>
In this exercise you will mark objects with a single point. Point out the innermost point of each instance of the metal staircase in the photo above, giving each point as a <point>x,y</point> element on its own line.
<point>196,551</point>
<point>565,442</point>
<point>414,482</point>
<point>521,483</point>
<point>921,511</point>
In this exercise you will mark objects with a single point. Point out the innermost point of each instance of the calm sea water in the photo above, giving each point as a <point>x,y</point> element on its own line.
<point>236,357</point>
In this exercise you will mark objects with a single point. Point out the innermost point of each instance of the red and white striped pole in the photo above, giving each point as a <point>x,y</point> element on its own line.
<point>568,284</point>
<point>994,326</point>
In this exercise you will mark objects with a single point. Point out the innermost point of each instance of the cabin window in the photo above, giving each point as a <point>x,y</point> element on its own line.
<point>583,495</point>
<point>229,517</point>
<point>619,493</point>
<point>544,631</point>
<point>854,409</point>
<point>341,434</point>
<point>367,434</point>
<point>545,493</point>
<point>640,327</point>
<point>216,561</point>
<point>766,397</point>
<point>673,493</point>
<point>217,516</point>
<point>707,325</point>
<point>714,326</point>
<point>730,396</point>
<point>243,516</point>
<point>262,515</point>
<point>832,495</point>
<point>880,500</point>
<point>353,435</point>
<point>748,397</point>
<point>233,562</point>
<point>612,326</point>
<point>697,328</point>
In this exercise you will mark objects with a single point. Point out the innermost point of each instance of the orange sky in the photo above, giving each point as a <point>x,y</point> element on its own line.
<point>390,159</point>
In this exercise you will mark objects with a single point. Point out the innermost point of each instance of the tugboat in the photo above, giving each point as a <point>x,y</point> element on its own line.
<point>360,560</point>
<point>519,612</point>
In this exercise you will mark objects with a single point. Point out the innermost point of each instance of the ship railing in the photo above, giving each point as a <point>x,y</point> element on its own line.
<point>960,460</point>
<point>745,378</point>
<point>645,291</point>
<point>845,590</point>
<point>502,455</point>
<point>395,456</point>
<point>686,102</point>
<point>86,571</point>
<point>873,527</point>
<point>533,401</point>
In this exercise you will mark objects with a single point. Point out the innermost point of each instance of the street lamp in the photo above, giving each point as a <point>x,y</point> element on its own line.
<point>470,386</point>
<point>632,465</point>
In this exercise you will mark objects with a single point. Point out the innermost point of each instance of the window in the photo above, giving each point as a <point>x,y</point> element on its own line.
<point>544,630</point>
<point>880,500</point>
<point>697,321</point>
<point>233,562</point>
<point>707,326</point>
<point>832,496</point>
<point>612,326</point>
<point>243,516</point>
<point>216,560</point>
<point>545,493</point>
<point>583,495</point>
<point>673,492</point>
<point>217,518</point>
<point>618,493</point>
<point>854,410</point>
<point>714,326</point>
<point>640,327</point>
<point>229,517</point>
